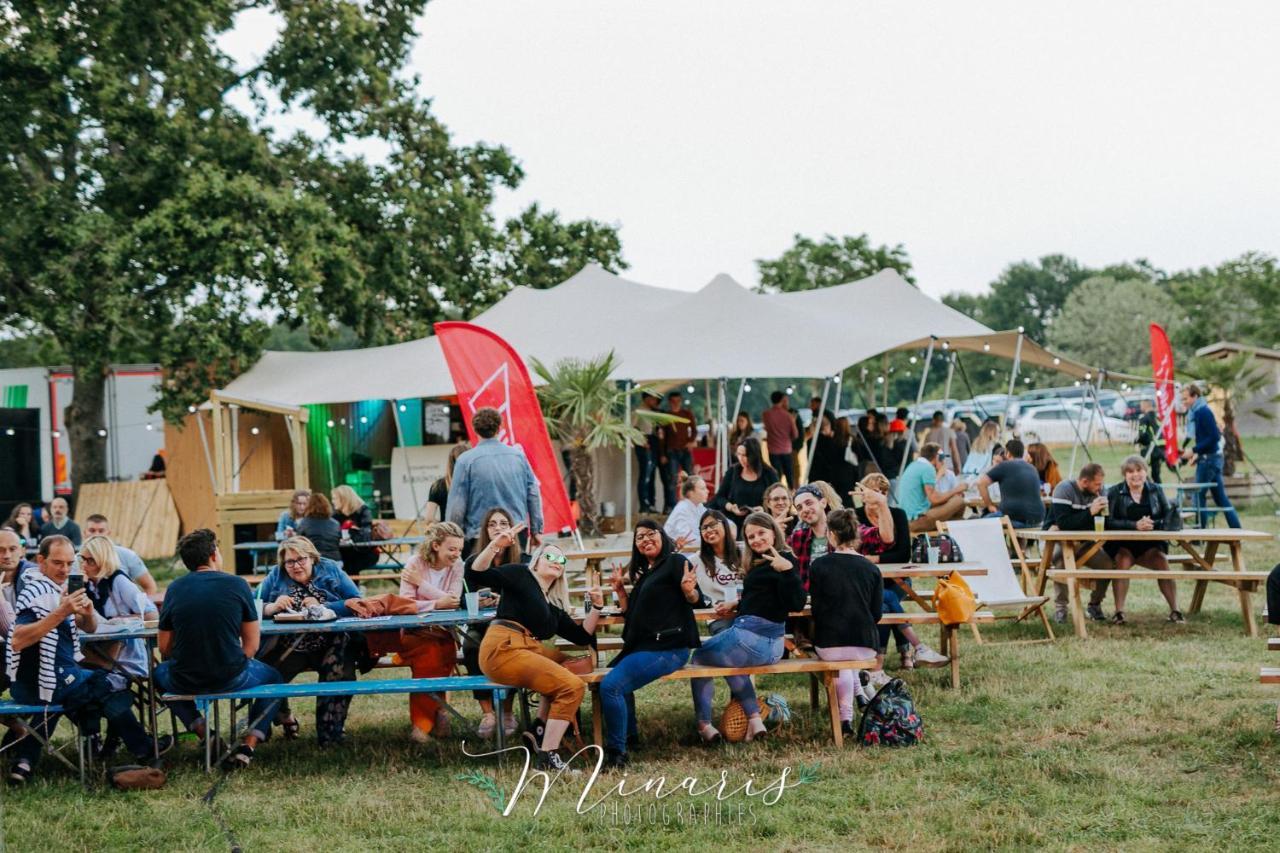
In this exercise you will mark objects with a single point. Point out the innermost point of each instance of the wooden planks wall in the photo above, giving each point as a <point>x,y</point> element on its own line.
<point>142,514</point>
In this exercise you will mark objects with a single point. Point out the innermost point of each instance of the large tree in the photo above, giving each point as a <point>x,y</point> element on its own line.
<point>143,210</point>
<point>1238,301</point>
<point>1026,294</point>
<point>810,263</point>
<point>1105,322</point>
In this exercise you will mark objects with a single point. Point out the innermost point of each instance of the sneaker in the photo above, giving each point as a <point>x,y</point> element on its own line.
<point>1094,612</point>
<point>509,724</point>
<point>907,656</point>
<point>103,748</point>
<point>20,773</point>
<point>487,724</point>
<point>862,701</point>
<point>417,735</point>
<point>1060,615</point>
<point>613,760</point>
<point>1117,618</point>
<point>164,743</point>
<point>444,726</point>
<point>1176,617</point>
<point>240,758</point>
<point>926,656</point>
<point>877,679</point>
<point>539,730</point>
<point>846,727</point>
<point>708,735</point>
<point>633,743</point>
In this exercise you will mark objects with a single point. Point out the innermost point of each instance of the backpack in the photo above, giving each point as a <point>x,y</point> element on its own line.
<point>890,719</point>
<point>948,549</point>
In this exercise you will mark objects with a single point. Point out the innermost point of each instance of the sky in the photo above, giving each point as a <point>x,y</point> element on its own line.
<point>975,134</point>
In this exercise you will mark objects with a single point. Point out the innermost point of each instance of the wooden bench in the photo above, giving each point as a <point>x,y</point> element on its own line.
<point>824,668</point>
<point>1273,644</point>
<point>1270,675</point>
<point>368,687</point>
<point>1246,581</point>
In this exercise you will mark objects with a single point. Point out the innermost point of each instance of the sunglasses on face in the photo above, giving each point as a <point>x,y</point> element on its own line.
<point>556,559</point>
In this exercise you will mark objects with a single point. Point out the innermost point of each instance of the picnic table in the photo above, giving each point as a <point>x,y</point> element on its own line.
<point>390,547</point>
<point>1079,546</point>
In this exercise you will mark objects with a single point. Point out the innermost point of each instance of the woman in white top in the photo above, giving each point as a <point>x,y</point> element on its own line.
<point>682,523</point>
<point>716,563</point>
<point>113,596</point>
<point>979,458</point>
<point>433,579</point>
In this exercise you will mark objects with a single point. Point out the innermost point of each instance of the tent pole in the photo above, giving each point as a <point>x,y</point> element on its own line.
<point>1013,377</point>
<point>835,407</point>
<point>737,404</point>
<point>626,465</point>
<point>1080,439</point>
<point>408,467</point>
<point>235,447</point>
<point>915,411</point>
<point>817,428</point>
<point>884,373</point>
<point>722,455</point>
<point>951,369</point>
<point>722,429</point>
<point>208,457</point>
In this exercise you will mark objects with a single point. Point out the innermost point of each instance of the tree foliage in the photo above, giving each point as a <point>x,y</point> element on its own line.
<point>1105,322</point>
<point>141,210</point>
<point>1237,301</point>
<point>1237,379</point>
<point>811,264</point>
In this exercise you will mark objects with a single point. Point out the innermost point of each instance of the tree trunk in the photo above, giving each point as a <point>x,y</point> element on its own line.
<point>84,419</point>
<point>1231,451</point>
<point>584,477</point>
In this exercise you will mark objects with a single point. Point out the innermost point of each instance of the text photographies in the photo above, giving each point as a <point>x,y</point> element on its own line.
<point>592,798</point>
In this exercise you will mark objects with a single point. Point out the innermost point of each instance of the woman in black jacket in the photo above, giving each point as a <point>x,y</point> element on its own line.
<point>848,598</point>
<point>1137,504</point>
<point>771,591</point>
<point>829,463</point>
<point>658,633</point>
<point>355,519</point>
<point>742,490</point>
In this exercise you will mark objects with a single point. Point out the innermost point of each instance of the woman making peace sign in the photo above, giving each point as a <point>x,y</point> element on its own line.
<point>772,590</point>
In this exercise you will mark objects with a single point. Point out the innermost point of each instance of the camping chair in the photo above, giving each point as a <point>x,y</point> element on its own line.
<point>983,541</point>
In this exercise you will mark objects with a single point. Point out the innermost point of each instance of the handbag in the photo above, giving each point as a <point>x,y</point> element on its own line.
<point>948,549</point>
<point>953,600</point>
<point>580,664</point>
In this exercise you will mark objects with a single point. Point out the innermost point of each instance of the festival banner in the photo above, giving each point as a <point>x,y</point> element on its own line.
<point>1162,369</point>
<point>487,372</point>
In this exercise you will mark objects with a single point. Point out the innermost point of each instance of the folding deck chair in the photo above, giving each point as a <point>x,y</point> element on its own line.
<point>987,541</point>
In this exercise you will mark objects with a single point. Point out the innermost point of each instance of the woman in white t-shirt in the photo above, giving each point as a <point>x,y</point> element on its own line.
<point>716,563</point>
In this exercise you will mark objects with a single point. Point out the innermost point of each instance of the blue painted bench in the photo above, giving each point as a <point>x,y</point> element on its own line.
<point>368,687</point>
<point>14,709</point>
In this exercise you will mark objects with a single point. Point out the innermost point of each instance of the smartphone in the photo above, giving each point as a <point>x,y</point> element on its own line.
<point>75,583</point>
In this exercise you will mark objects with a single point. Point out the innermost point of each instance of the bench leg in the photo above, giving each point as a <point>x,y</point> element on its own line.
<point>1246,598</point>
<point>977,635</point>
<point>813,691</point>
<point>1077,610</point>
<point>953,652</point>
<point>597,717</point>
<point>498,729</point>
<point>1197,598</point>
<point>833,707</point>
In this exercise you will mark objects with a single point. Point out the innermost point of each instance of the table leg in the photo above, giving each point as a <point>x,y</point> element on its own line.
<point>151,700</point>
<point>1073,590</point>
<point>953,652</point>
<point>1046,563</point>
<point>833,706</point>
<point>1246,601</point>
<point>813,691</point>
<point>499,730</point>
<point>1206,562</point>
<point>597,716</point>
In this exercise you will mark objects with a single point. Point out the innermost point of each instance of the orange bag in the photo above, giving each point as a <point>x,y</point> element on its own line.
<point>953,600</point>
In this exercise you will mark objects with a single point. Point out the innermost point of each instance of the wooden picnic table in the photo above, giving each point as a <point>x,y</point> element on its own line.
<point>1079,546</point>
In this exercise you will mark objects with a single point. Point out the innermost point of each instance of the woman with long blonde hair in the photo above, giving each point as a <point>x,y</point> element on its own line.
<point>979,458</point>
<point>355,520</point>
<point>115,596</point>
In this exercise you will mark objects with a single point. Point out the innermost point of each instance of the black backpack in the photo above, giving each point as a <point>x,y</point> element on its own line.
<point>890,719</point>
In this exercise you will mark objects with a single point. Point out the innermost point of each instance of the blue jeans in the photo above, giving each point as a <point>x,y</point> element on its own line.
<point>255,673</point>
<point>892,603</point>
<point>735,647</point>
<point>677,461</point>
<point>1209,470</point>
<point>88,699</point>
<point>617,699</point>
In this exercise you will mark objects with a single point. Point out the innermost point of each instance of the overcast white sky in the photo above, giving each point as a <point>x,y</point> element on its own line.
<point>974,133</point>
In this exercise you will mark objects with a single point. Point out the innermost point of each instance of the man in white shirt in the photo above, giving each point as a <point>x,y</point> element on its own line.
<point>130,562</point>
<point>682,523</point>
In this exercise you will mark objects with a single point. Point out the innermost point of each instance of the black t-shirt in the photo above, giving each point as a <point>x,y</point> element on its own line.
<point>771,594</point>
<point>1019,490</point>
<point>324,533</point>
<point>847,594</point>
<point>205,611</point>
<point>439,495</point>
<point>522,600</point>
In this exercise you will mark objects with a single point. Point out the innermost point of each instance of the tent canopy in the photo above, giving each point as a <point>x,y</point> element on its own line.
<point>658,334</point>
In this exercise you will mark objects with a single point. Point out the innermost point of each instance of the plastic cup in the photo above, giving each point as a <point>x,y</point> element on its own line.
<point>1099,523</point>
<point>473,603</point>
<point>731,594</point>
<point>935,554</point>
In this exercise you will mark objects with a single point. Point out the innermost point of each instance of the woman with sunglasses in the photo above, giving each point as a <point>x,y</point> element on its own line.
<point>658,635</point>
<point>302,578</point>
<point>716,564</point>
<point>497,545</point>
<point>771,591</point>
<point>533,607</point>
<point>777,502</point>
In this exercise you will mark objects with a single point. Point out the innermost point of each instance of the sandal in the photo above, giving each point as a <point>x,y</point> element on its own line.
<point>1118,618</point>
<point>291,728</point>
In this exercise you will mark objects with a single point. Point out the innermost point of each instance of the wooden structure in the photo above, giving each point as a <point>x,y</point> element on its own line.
<point>141,513</point>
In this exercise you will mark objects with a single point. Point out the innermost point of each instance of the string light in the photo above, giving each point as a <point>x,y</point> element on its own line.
<point>1057,360</point>
<point>57,434</point>
<point>879,380</point>
<point>791,389</point>
<point>403,408</point>
<point>254,431</point>
<point>102,433</point>
<point>10,431</point>
<point>946,344</point>
<point>342,421</point>
<point>329,423</point>
<point>150,428</point>
<point>912,359</point>
<point>986,347</point>
<point>746,388</point>
<point>690,389</point>
<point>364,419</point>
<point>1021,330</point>
<point>191,410</point>
<point>1088,375</point>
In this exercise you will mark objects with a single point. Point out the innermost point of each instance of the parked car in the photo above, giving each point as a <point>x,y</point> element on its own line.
<point>1065,423</point>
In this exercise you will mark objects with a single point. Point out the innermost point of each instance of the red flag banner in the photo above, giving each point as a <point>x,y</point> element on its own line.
<point>1162,369</point>
<point>487,372</point>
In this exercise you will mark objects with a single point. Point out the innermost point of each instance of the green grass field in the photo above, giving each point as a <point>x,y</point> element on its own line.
<point>1148,736</point>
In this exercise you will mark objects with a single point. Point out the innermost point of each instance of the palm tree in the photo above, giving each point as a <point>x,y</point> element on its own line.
<point>1238,379</point>
<point>585,410</point>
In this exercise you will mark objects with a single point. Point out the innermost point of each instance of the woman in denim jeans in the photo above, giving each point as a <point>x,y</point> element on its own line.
<point>772,590</point>
<point>658,633</point>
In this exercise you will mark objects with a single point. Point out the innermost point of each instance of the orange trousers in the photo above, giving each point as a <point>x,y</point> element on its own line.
<point>517,659</point>
<point>428,654</point>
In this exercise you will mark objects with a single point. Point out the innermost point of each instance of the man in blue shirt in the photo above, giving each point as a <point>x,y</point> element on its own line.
<point>919,496</point>
<point>1205,451</point>
<point>493,475</point>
